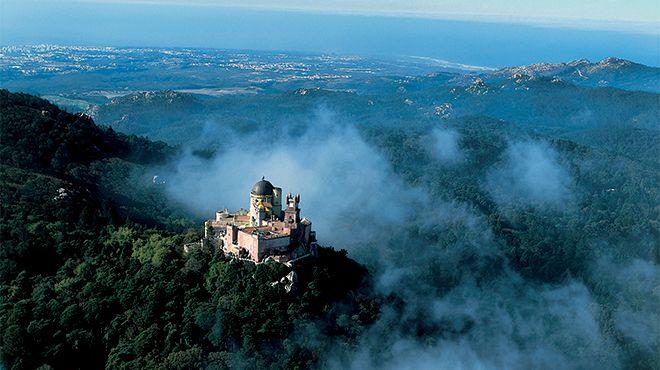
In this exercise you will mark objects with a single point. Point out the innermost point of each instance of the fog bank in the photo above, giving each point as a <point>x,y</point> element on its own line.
<point>460,303</point>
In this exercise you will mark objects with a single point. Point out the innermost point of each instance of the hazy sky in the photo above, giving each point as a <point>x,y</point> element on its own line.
<point>478,32</point>
<point>601,10</point>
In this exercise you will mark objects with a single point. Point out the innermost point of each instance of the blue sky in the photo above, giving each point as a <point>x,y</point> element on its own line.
<point>487,33</point>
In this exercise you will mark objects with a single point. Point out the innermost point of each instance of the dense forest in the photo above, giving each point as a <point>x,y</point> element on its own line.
<point>509,221</point>
<point>511,203</point>
<point>94,276</point>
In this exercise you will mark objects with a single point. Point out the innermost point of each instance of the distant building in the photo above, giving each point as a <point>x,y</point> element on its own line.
<point>265,230</point>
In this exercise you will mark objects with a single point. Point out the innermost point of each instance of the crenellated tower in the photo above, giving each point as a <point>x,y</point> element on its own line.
<point>292,211</point>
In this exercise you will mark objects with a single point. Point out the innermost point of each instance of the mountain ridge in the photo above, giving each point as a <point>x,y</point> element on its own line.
<point>608,72</point>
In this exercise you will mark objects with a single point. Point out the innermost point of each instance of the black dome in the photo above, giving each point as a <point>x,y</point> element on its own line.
<point>262,187</point>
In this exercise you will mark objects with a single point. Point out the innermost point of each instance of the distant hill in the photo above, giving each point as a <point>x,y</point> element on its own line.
<point>547,103</point>
<point>609,72</point>
<point>155,110</point>
<point>541,103</point>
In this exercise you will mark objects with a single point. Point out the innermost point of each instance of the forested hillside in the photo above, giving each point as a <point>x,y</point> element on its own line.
<point>92,273</point>
<point>541,104</point>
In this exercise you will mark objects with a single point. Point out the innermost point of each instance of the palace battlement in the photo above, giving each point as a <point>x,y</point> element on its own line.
<point>265,230</point>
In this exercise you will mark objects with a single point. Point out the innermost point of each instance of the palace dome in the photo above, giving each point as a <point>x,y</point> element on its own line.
<point>262,187</point>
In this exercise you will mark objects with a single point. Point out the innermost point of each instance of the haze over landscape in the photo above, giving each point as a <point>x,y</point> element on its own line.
<point>481,178</point>
<point>495,34</point>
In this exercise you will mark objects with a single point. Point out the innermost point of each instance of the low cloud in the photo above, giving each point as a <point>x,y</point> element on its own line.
<point>347,186</point>
<point>630,290</point>
<point>531,174</point>
<point>443,145</point>
<point>460,304</point>
<point>506,323</point>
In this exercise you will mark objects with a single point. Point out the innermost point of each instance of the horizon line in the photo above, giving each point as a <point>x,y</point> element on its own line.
<point>431,59</point>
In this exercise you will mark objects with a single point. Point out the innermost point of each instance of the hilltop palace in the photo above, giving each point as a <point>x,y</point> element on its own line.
<point>266,230</point>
